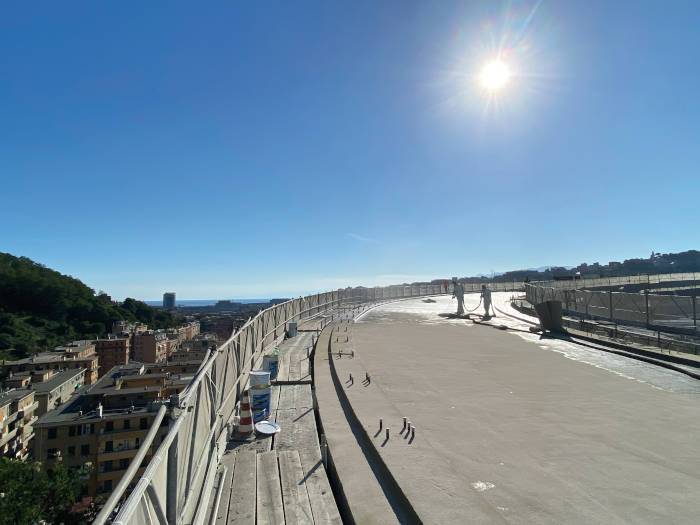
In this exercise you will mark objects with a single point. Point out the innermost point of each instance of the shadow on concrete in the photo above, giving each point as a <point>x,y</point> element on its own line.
<point>393,493</point>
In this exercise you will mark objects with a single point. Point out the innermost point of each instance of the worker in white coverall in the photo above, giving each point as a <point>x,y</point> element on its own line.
<point>458,292</point>
<point>486,299</point>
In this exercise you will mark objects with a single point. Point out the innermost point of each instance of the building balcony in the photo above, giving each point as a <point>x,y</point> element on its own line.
<point>9,419</point>
<point>26,438</point>
<point>122,434</point>
<point>117,454</point>
<point>28,409</point>
<point>116,474</point>
<point>29,422</point>
<point>7,437</point>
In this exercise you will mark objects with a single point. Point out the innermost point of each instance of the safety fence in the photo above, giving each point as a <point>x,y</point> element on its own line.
<point>653,281</point>
<point>671,313</point>
<point>177,481</point>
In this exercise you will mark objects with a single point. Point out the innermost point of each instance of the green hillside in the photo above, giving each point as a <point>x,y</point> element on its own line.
<point>41,308</point>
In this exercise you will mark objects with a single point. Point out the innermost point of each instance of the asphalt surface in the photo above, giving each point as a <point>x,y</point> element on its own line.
<point>513,429</point>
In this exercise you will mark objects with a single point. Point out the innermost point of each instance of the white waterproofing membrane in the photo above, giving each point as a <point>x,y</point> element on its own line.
<point>417,311</point>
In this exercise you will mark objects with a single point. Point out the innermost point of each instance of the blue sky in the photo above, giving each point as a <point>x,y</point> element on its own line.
<point>277,148</point>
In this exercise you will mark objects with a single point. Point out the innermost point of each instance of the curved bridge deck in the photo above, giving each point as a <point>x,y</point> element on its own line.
<point>511,428</point>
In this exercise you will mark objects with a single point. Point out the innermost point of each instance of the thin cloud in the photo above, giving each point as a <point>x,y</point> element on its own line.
<point>362,238</point>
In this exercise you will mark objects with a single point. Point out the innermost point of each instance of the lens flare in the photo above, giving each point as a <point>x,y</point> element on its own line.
<point>494,75</point>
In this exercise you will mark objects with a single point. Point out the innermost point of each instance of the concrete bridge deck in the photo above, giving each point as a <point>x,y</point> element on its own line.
<point>514,429</point>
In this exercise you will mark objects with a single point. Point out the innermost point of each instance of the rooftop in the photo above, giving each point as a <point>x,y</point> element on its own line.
<point>13,395</point>
<point>57,380</point>
<point>78,411</point>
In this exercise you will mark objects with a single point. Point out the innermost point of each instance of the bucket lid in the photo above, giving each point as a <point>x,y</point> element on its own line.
<point>267,427</point>
<point>259,377</point>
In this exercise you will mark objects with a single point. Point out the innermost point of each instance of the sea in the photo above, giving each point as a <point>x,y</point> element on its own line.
<point>206,302</point>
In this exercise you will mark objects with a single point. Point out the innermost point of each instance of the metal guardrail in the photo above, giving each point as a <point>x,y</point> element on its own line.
<point>671,313</point>
<point>597,282</point>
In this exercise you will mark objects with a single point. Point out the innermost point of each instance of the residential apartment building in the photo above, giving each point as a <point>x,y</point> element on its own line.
<point>107,424</point>
<point>192,329</point>
<point>17,419</point>
<point>126,327</point>
<point>195,349</point>
<point>113,351</point>
<point>151,346</point>
<point>52,389</point>
<point>78,354</point>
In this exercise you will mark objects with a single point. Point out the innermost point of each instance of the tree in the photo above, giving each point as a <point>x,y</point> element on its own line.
<point>30,493</point>
<point>41,308</point>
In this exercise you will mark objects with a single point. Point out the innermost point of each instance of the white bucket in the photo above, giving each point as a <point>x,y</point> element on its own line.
<point>260,403</point>
<point>259,378</point>
<point>292,329</point>
<point>271,364</point>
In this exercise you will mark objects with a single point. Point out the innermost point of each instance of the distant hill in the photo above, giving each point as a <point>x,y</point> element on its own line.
<point>41,308</point>
<point>688,261</point>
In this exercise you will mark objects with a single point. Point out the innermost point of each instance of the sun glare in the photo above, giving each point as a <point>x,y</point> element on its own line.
<point>494,75</point>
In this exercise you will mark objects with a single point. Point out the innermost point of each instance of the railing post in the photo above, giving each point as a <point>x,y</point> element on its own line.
<point>171,491</point>
<point>646,300</point>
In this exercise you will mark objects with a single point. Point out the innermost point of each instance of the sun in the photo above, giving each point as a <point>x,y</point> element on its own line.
<point>494,75</point>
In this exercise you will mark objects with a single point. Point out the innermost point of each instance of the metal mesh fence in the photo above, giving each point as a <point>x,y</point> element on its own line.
<point>666,312</point>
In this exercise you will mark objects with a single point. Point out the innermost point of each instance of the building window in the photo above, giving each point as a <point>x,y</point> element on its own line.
<point>109,446</point>
<point>110,426</point>
<point>124,464</point>
<point>84,450</point>
<point>71,451</point>
<point>127,424</point>
<point>143,423</point>
<point>71,431</point>
<point>106,466</point>
<point>137,443</point>
<point>52,433</point>
<point>107,485</point>
<point>51,453</point>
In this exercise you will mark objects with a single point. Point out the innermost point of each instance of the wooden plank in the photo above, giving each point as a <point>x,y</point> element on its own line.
<point>323,506</point>
<point>298,432</point>
<point>283,364</point>
<point>241,508</point>
<point>287,397</point>
<point>297,508</point>
<point>295,396</point>
<point>305,372</point>
<point>270,509</point>
<point>220,517</point>
<point>274,399</point>
<point>305,397</point>
<point>294,364</point>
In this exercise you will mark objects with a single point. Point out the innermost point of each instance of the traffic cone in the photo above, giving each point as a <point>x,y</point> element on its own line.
<point>245,423</point>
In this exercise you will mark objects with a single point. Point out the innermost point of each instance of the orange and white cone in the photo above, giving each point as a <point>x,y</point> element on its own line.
<point>245,423</point>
